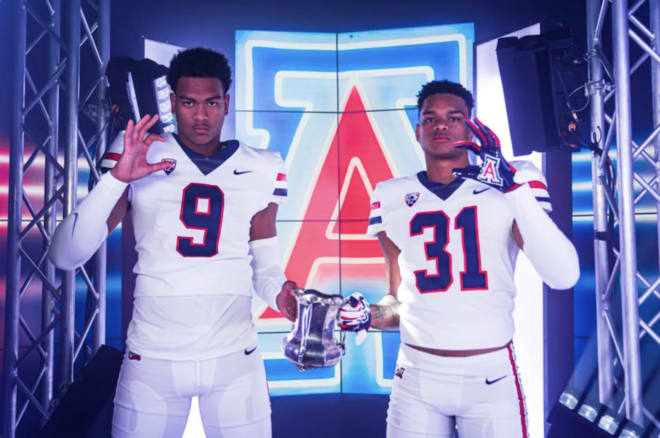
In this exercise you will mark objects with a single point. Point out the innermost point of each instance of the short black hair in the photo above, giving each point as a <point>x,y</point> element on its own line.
<point>199,63</point>
<point>445,87</point>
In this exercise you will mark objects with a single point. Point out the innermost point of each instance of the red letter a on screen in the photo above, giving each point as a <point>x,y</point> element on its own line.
<point>332,236</point>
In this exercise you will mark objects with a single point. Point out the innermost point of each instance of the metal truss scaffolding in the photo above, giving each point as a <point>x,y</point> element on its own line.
<point>624,296</point>
<point>60,51</point>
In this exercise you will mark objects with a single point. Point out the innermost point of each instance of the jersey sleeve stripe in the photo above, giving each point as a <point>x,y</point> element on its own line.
<point>280,192</point>
<point>375,205</point>
<point>537,185</point>
<point>281,177</point>
<point>114,156</point>
<point>544,202</point>
<point>107,165</point>
<point>375,220</point>
<point>543,197</point>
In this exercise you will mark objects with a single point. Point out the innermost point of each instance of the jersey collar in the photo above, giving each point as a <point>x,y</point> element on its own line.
<point>442,191</point>
<point>206,164</point>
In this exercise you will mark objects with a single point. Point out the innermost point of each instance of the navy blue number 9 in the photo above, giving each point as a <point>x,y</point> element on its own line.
<point>472,277</point>
<point>201,209</point>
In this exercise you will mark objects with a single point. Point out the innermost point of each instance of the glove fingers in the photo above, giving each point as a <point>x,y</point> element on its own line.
<point>494,137</point>
<point>476,131</point>
<point>491,137</point>
<point>469,145</point>
<point>480,124</point>
<point>354,295</point>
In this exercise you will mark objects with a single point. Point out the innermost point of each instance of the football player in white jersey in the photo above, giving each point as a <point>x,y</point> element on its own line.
<point>204,217</point>
<point>450,236</point>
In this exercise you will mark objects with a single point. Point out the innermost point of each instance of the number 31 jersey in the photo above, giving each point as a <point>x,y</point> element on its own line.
<point>192,221</point>
<point>457,259</point>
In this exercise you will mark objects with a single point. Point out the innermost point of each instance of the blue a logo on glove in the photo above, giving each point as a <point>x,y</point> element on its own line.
<point>488,173</point>
<point>494,170</point>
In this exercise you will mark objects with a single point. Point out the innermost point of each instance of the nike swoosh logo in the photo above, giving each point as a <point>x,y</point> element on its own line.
<point>241,172</point>
<point>490,382</point>
<point>476,192</point>
<point>249,352</point>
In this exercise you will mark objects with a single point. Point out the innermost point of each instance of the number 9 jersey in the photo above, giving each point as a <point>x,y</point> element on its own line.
<point>457,259</point>
<point>192,221</point>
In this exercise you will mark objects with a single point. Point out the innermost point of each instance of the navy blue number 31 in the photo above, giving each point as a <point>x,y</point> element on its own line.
<point>201,209</point>
<point>472,277</point>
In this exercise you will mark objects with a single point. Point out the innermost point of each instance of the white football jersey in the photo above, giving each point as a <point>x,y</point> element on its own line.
<point>192,221</point>
<point>457,259</point>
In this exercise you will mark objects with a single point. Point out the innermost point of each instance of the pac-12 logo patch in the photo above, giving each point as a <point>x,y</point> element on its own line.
<point>411,198</point>
<point>169,169</point>
<point>399,372</point>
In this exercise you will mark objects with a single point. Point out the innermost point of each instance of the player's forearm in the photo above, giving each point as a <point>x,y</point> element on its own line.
<point>385,314</point>
<point>551,253</point>
<point>81,233</point>
<point>268,276</point>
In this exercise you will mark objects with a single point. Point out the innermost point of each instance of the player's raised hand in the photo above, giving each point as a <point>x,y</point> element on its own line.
<point>494,170</point>
<point>132,164</point>
<point>286,300</point>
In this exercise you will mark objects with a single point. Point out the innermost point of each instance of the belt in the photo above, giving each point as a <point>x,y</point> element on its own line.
<point>458,353</point>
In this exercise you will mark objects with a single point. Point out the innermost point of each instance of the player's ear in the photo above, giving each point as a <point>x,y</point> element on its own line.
<point>172,101</point>
<point>417,128</point>
<point>227,99</point>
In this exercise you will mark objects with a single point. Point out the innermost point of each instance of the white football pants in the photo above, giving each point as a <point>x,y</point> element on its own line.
<point>476,397</point>
<point>153,396</point>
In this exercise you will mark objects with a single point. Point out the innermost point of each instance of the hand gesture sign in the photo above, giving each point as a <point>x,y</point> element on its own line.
<point>494,170</point>
<point>132,164</point>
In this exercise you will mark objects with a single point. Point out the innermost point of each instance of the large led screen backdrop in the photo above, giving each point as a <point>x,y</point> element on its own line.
<point>341,109</point>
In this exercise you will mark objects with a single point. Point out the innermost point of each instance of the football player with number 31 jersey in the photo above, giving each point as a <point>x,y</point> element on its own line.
<point>450,236</point>
<point>204,215</point>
